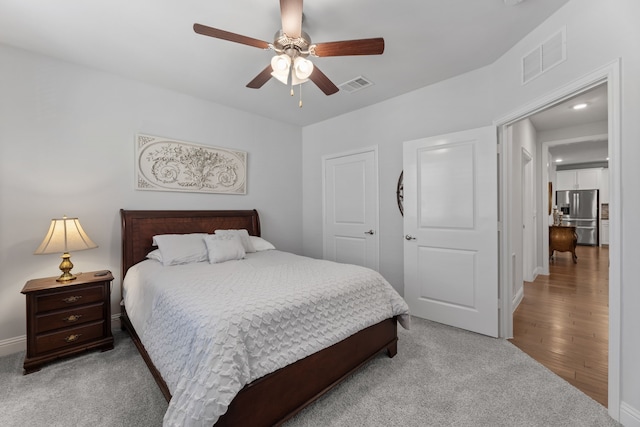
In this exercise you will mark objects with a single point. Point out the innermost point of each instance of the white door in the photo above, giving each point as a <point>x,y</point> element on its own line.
<point>351,208</point>
<point>451,229</point>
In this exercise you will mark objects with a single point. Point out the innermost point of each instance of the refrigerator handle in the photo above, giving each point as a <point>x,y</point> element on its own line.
<point>576,203</point>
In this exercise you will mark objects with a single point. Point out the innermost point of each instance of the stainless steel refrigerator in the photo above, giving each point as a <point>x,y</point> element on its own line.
<point>580,209</point>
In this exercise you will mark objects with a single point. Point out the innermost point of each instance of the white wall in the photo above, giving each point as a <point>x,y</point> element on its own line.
<point>597,33</point>
<point>571,132</point>
<point>459,103</point>
<point>67,147</point>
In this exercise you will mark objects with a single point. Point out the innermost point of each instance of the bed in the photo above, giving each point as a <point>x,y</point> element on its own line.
<point>273,398</point>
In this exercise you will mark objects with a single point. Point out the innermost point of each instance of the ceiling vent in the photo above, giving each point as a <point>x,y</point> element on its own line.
<point>545,56</point>
<point>356,84</point>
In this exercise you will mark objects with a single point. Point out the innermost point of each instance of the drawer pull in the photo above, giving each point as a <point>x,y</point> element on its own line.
<point>72,318</point>
<point>72,337</point>
<point>72,298</point>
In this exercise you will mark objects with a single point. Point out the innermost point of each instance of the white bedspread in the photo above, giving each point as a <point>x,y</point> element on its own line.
<point>211,329</point>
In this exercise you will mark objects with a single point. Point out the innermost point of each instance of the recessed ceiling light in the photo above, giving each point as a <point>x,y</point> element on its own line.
<point>579,106</point>
<point>558,160</point>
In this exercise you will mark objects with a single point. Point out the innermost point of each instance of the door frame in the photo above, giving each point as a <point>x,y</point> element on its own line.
<point>529,218</point>
<point>544,159</point>
<point>609,74</point>
<point>327,157</point>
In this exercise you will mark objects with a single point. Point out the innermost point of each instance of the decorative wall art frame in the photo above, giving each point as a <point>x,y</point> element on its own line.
<point>163,164</point>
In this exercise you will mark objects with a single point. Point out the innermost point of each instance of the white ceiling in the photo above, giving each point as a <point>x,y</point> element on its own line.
<point>426,41</point>
<point>581,153</point>
<point>563,115</point>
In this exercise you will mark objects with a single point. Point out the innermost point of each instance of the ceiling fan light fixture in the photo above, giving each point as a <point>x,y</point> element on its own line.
<point>294,43</point>
<point>302,68</point>
<point>280,65</point>
<point>281,62</point>
<point>297,81</point>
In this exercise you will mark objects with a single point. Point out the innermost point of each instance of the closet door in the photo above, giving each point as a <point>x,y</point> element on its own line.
<point>351,208</point>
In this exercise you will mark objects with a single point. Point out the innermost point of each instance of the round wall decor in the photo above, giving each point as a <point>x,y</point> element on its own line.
<point>400,194</point>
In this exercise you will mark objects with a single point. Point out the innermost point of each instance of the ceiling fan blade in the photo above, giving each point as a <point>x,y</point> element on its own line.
<point>373,46</point>
<point>291,14</point>
<point>323,82</point>
<point>261,78</point>
<point>232,37</point>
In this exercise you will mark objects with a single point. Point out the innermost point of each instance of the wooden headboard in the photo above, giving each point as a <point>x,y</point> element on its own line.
<point>139,227</point>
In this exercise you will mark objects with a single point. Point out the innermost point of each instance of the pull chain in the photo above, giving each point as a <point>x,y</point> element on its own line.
<point>300,103</point>
<point>292,93</point>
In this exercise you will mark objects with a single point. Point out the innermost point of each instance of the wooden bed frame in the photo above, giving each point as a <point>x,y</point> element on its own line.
<point>274,398</point>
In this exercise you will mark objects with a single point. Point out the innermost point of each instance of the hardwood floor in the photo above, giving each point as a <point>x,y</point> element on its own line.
<point>562,321</point>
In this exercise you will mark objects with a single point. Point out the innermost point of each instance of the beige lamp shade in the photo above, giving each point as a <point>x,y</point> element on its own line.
<point>65,235</point>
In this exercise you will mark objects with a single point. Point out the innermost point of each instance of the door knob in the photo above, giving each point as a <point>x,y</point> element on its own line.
<point>409,237</point>
<point>369,232</point>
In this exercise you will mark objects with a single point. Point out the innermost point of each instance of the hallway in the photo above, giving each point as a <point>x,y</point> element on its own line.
<point>562,321</point>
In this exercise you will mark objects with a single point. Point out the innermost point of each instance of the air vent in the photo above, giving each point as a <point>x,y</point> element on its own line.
<point>532,65</point>
<point>545,56</point>
<point>356,84</point>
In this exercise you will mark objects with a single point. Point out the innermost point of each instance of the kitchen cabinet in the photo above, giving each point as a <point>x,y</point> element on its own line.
<point>565,180</point>
<point>604,232</point>
<point>578,179</point>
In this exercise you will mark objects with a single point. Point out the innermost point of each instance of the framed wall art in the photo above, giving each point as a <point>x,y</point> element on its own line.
<point>550,195</point>
<point>164,164</point>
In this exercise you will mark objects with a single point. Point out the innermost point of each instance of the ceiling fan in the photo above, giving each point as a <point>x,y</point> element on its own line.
<point>292,46</point>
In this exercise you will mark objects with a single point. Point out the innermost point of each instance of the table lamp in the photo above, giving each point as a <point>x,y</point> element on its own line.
<point>65,235</point>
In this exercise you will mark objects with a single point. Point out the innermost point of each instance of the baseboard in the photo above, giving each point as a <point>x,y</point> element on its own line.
<point>17,344</point>
<point>538,271</point>
<point>629,416</point>
<point>13,345</point>
<point>517,299</point>
<point>115,322</point>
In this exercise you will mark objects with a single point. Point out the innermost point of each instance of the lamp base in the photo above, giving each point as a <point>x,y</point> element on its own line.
<point>66,265</point>
<point>66,278</point>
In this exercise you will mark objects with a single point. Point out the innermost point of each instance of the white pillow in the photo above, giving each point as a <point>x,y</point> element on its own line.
<point>260,244</point>
<point>224,247</point>
<point>155,254</point>
<point>181,248</point>
<point>244,237</point>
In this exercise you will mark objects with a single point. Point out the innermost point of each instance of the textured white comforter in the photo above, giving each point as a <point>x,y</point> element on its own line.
<point>211,329</point>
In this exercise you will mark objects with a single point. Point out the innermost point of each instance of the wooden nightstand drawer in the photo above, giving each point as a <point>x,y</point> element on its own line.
<point>67,318</point>
<point>61,300</point>
<point>69,337</point>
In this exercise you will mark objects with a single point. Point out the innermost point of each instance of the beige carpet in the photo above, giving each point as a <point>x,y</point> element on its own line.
<point>441,376</point>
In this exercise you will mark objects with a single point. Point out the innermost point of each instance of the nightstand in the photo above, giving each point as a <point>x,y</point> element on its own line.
<point>67,318</point>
